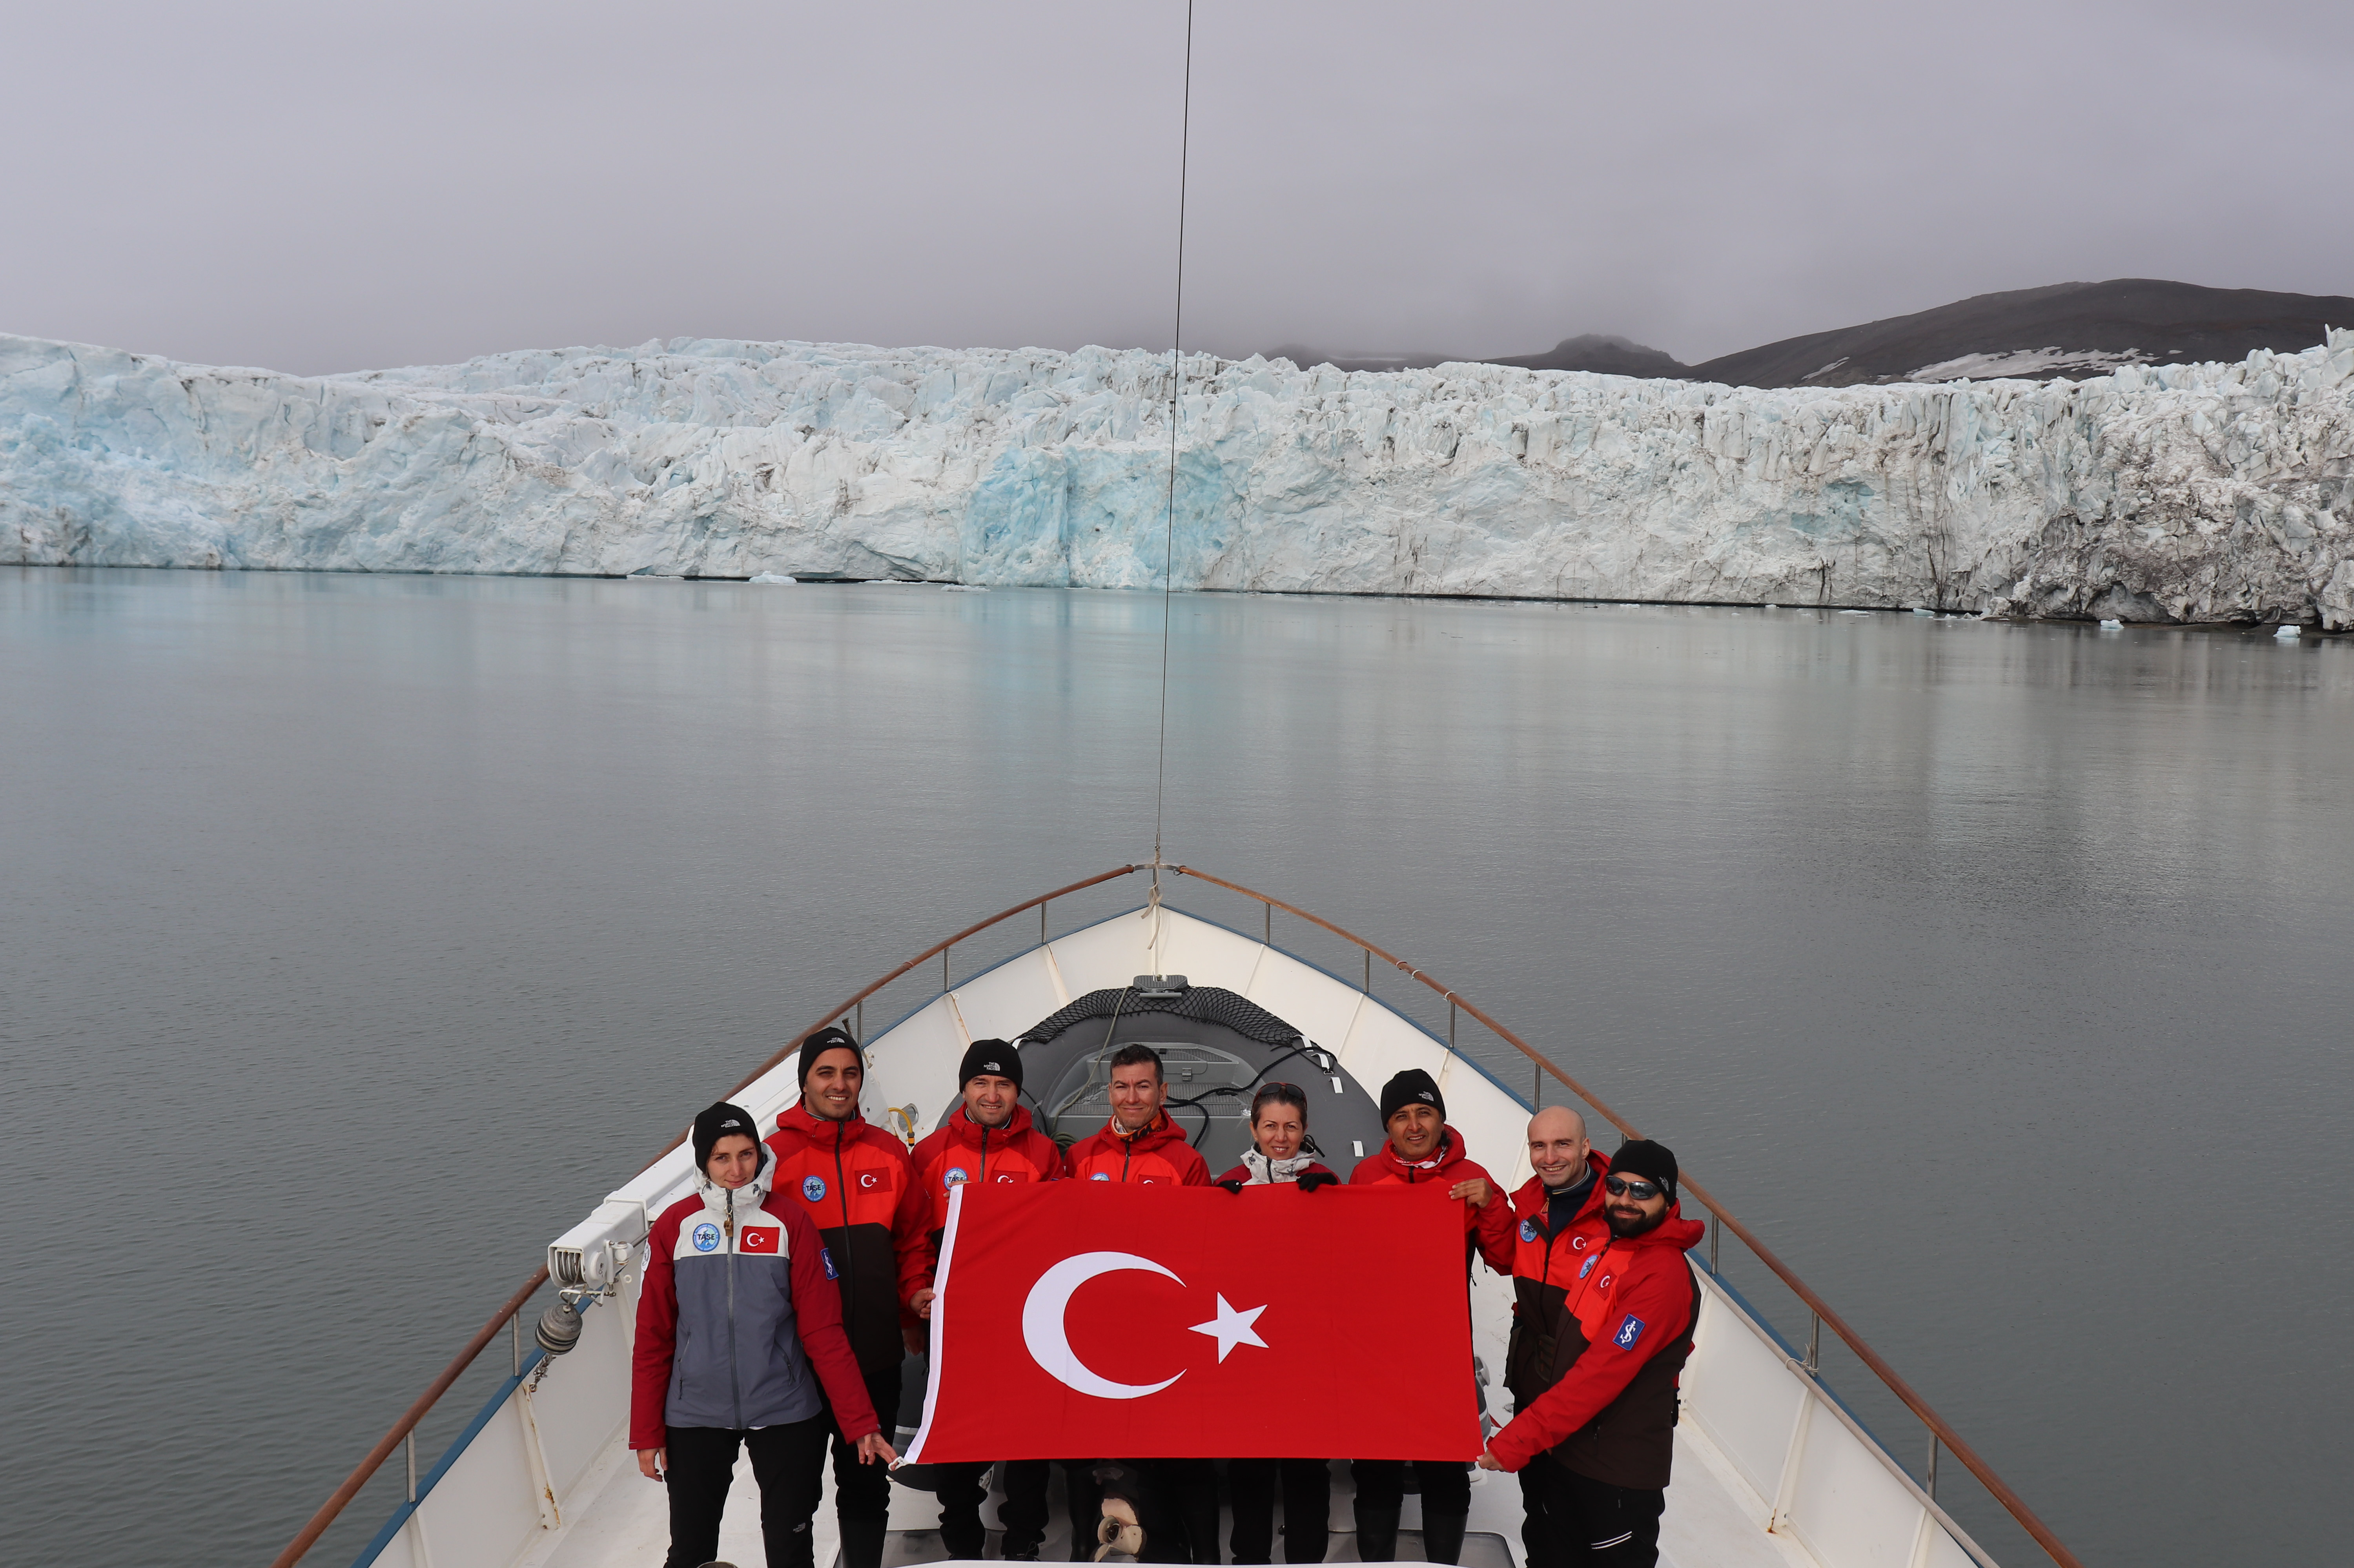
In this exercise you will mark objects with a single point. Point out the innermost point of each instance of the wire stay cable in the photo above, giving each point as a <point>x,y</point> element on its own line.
<point>1176,383</point>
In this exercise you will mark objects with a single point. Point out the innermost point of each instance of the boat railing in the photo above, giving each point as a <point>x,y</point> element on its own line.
<point>1942,1437</point>
<point>1941,1434</point>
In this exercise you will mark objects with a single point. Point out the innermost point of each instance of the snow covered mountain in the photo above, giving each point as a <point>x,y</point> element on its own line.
<point>2185,492</point>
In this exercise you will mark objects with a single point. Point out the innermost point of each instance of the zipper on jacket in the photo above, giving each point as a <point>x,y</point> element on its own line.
<point>735,1378</point>
<point>849,1270</point>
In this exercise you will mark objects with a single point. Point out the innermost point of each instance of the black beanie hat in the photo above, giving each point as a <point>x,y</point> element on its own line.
<point>1408,1087</point>
<point>722,1121</point>
<point>1652,1162</point>
<point>830,1038</point>
<point>989,1056</point>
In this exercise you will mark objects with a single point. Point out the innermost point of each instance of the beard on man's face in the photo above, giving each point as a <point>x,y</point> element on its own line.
<point>1629,1222</point>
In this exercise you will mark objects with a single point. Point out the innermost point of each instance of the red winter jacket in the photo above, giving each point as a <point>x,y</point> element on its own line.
<point>1544,1267</point>
<point>856,1184</point>
<point>960,1150</point>
<point>739,1308</point>
<point>1158,1155</point>
<point>1610,1410</point>
<point>1486,1231</point>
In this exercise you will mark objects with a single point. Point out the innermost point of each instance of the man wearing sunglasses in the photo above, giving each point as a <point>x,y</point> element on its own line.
<point>1601,1436</point>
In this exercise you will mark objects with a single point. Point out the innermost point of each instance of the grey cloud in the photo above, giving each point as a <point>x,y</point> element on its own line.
<point>317,188</point>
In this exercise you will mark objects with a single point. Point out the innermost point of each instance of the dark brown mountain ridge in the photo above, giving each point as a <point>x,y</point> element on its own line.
<point>2064,331</point>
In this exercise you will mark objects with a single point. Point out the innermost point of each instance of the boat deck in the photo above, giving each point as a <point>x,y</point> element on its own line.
<point>1770,1471</point>
<point>1708,1524</point>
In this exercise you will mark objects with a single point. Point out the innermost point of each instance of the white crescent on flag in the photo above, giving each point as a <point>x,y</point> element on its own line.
<point>1050,1344</point>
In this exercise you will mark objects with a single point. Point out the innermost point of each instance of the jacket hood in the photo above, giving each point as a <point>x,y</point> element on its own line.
<point>1448,1154</point>
<point>1675,1231</point>
<point>798,1118</point>
<point>1528,1202</point>
<point>963,1130</point>
<point>1154,1134</point>
<point>743,1200</point>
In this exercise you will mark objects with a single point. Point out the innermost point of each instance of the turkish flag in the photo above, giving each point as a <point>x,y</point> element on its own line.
<point>1079,1319</point>
<point>760,1238</point>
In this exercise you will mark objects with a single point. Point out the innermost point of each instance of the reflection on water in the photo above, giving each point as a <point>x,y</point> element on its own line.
<point>360,933</point>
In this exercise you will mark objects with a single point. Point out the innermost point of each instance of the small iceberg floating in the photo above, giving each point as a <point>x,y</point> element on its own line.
<point>2289,633</point>
<point>2113,626</point>
<point>778,578</point>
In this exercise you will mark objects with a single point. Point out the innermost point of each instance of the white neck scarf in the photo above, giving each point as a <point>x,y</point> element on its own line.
<point>1266,1172</point>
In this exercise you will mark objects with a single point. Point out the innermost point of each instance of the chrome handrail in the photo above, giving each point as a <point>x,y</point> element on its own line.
<point>1941,1432</point>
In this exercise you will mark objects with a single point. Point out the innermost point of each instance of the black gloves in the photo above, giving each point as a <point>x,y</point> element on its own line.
<point>1311,1179</point>
<point>1233,1184</point>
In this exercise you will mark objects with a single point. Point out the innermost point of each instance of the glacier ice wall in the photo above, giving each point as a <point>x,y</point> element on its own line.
<point>2190,493</point>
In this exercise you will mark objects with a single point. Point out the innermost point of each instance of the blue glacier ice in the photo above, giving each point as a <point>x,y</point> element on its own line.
<point>2188,493</point>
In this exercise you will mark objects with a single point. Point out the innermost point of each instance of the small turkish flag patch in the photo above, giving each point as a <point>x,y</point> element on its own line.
<point>762,1238</point>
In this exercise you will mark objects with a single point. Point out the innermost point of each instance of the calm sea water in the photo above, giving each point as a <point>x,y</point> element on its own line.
<point>356,934</point>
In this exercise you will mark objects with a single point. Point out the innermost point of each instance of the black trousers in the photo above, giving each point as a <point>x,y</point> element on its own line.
<point>962,1488</point>
<point>1176,1503</point>
<point>1085,1500</point>
<point>1588,1523</point>
<point>1446,1484</point>
<point>788,1461</point>
<point>863,1491</point>
<point>1179,1509</point>
<point>1306,1509</point>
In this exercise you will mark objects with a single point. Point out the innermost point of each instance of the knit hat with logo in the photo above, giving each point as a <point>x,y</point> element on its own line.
<point>1412,1086</point>
<point>992,1056</point>
<point>722,1121</point>
<point>1652,1162</point>
<point>830,1038</point>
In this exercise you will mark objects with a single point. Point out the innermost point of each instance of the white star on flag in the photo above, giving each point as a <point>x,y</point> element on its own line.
<point>1231,1328</point>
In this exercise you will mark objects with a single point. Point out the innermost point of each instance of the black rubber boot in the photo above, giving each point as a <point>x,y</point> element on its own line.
<point>964,1542</point>
<point>1442,1536</point>
<point>862,1542</point>
<point>1377,1534</point>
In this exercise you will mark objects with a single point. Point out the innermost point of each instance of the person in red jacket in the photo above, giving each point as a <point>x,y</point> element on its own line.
<point>1422,1149</point>
<point>1141,1144</point>
<point>1602,1434</point>
<point>1561,1224</point>
<point>739,1343</point>
<point>1280,1151</point>
<point>855,1183</point>
<point>990,1140</point>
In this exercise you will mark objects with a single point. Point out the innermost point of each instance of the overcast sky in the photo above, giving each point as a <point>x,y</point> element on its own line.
<point>326,187</point>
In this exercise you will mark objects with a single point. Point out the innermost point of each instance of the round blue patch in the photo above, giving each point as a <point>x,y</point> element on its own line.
<point>1100,1176</point>
<point>706,1237</point>
<point>1528,1230</point>
<point>956,1176</point>
<point>813,1188</point>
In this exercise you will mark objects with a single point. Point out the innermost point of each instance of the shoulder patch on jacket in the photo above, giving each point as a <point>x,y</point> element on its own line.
<point>825,1256</point>
<point>1629,1330</point>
